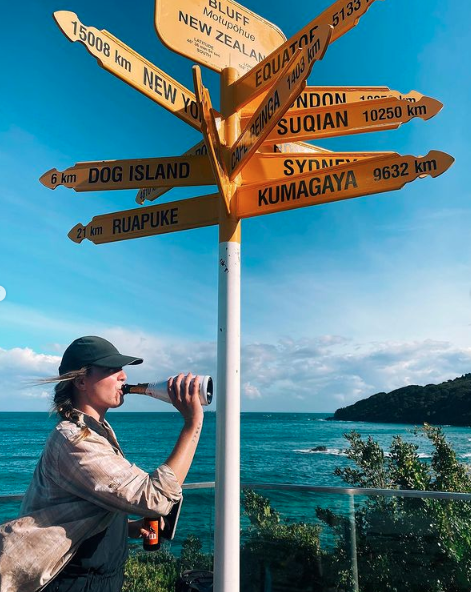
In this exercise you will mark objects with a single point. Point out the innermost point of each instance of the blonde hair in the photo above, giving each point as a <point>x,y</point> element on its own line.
<point>64,395</point>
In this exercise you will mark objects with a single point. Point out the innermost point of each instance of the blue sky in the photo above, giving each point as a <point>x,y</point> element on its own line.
<point>338,301</point>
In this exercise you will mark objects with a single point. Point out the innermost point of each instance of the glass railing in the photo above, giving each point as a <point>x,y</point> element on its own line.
<point>299,538</point>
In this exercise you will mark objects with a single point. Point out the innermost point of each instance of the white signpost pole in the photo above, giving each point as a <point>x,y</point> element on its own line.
<point>227,494</point>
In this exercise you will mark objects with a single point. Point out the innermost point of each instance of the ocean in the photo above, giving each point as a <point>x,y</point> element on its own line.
<point>275,448</point>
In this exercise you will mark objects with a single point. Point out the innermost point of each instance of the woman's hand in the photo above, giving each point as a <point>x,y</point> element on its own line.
<point>184,394</point>
<point>136,528</point>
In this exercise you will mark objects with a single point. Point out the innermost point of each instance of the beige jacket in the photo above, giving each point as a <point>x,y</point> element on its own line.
<point>76,489</point>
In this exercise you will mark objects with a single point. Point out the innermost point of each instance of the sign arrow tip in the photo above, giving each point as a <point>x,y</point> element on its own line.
<point>76,234</point>
<point>46,179</point>
<point>441,162</point>
<point>61,15</point>
<point>65,20</point>
<point>445,158</point>
<point>435,107</point>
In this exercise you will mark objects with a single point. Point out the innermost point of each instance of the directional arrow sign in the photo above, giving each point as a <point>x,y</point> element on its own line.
<point>216,33</point>
<point>277,100</point>
<point>126,64</point>
<point>211,138</point>
<point>343,15</point>
<point>366,177</point>
<point>171,217</point>
<point>263,167</point>
<point>105,175</point>
<point>314,97</point>
<point>353,118</point>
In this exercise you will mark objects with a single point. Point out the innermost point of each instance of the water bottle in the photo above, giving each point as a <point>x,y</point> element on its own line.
<point>158,390</point>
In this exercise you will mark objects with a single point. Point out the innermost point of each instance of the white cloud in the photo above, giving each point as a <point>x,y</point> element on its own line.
<point>250,391</point>
<point>24,361</point>
<point>318,374</point>
<point>33,394</point>
<point>328,377</point>
<point>20,368</point>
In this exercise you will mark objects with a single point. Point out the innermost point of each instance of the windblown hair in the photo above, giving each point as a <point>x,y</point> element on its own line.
<point>64,395</point>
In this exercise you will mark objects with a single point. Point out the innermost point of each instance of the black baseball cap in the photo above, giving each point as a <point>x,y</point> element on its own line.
<point>93,351</point>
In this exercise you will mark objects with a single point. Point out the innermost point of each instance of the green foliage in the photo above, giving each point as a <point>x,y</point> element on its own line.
<point>402,468</point>
<point>369,458</point>
<point>158,571</point>
<point>407,544</point>
<point>445,403</point>
<point>192,556</point>
<point>151,572</point>
<point>288,553</point>
<point>258,510</point>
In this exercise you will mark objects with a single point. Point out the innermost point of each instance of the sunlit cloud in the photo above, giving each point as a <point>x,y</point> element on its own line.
<point>250,391</point>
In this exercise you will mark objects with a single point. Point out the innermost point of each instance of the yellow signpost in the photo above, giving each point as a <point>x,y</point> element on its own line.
<point>129,66</point>
<point>289,165</point>
<point>343,15</point>
<point>216,33</point>
<point>314,97</point>
<point>185,214</point>
<point>254,151</point>
<point>351,118</point>
<point>375,175</point>
<point>131,174</point>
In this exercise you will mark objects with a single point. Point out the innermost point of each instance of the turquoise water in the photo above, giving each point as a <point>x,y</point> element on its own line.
<point>275,448</point>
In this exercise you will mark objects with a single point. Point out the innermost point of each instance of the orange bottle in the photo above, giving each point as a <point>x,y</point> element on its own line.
<point>151,542</point>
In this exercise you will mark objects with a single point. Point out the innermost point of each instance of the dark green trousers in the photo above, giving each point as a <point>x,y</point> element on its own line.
<point>87,583</point>
<point>98,565</point>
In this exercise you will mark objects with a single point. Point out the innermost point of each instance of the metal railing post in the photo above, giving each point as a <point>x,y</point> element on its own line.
<point>353,542</point>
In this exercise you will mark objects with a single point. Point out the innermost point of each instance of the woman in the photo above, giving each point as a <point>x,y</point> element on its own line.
<point>73,527</point>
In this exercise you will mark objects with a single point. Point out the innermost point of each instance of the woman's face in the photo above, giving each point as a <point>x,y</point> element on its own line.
<point>101,388</point>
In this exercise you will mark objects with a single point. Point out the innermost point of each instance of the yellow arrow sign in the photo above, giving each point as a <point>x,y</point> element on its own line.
<point>375,175</point>
<point>216,33</point>
<point>314,97</point>
<point>266,167</point>
<point>129,66</point>
<point>105,175</point>
<point>211,138</point>
<point>343,15</point>
<point>171,217</point>
<point>353,118</point>
<point>291,81</point>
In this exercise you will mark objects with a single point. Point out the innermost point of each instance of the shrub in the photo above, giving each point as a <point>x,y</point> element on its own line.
<point>287,554</point>
<point>151,572</point>
<point>158,571</point>
<point>406,544</point>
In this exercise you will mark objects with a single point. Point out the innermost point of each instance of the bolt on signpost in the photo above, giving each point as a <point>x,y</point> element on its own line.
<point>254,151</point>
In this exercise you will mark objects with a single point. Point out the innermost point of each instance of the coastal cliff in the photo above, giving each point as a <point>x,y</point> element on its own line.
<point>448,403</point>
